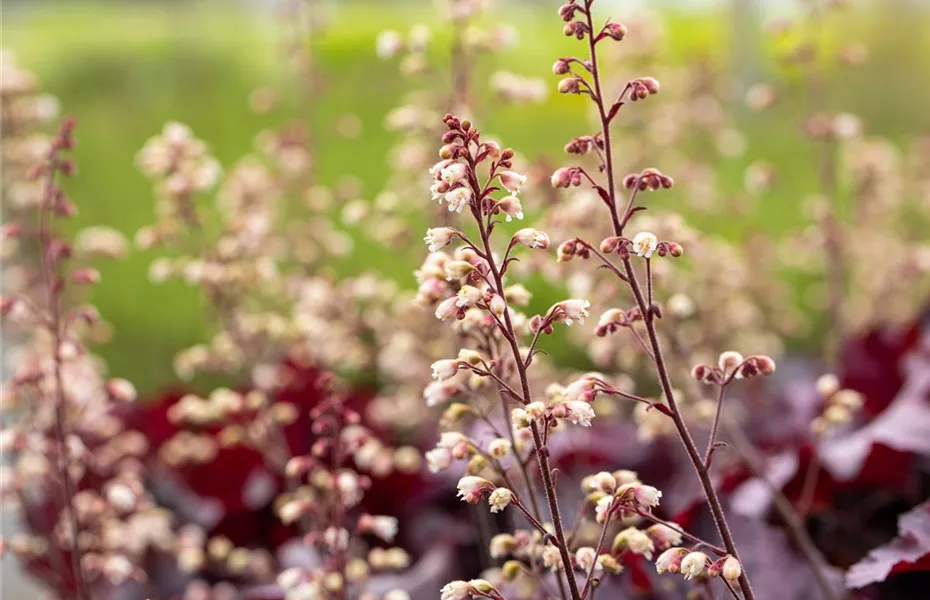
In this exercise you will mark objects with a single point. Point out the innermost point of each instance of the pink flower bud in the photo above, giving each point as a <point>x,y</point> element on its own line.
<point>121,390</point>
<point>444,369</point>
<point>610,245</point>
<point>493,149</point>
<point>651,84</point>
<point>562,178</point>
<point>472,488</point>
<point>567,11</point>
<point>532,238</point>
<point>497,305</point>
<point>570,85</point>
<point>705,374</point>
<point>616,31</point>
<point>511,207</point>
<point>561,67</point>
<point>577,29</point>
<point>85,276</point>
<point>447,309</point>
<point>670,560</point>
<point>731,570</point>
<point>512,181</point>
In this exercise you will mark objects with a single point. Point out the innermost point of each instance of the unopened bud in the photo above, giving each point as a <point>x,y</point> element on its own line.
<point>616,31</point>
<point>570,85</point>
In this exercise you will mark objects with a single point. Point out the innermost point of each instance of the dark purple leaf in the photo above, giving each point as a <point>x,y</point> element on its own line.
<point>912,544</point>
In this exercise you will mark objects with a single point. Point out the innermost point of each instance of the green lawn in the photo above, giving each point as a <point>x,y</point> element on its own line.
<point>124,70</point>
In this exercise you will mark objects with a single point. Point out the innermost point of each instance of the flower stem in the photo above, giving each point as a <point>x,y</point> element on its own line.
<point>50,280</point>
<point>687,440</point>
<point>542,453</point>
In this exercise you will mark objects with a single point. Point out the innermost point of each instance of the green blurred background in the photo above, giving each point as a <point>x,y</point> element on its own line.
<point>125,68</point>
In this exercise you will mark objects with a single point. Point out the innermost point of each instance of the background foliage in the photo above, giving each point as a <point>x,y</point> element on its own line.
<point>124,69</point>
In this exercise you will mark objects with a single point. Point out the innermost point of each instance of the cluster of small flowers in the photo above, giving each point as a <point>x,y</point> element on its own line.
<point>840,405</point>
<point>458,183</point>
<point>240,270</point>
<point>273,314</point>
<point>71,456</point>
<point>692,564</point>
<point>416,120</point>
<point>25,112</point>
<point>326,489</point>
<point>730,366</point>
<point>887,202</point>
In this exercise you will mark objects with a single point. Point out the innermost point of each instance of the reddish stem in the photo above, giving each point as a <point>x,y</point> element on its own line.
<point>687,440</point>
<point>51,280</point>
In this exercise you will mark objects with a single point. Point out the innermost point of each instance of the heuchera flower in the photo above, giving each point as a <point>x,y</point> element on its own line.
<point>670,560</point>
<point>576,411</point>
<point>438,237</point>
<point>569,311</point>
<point>499,499</point>
<point>438,459</point>
<point>448,308</point>
<point>455,590</point>
<point>645,243</point>
<point>532,238</point>
<point>645,496</point>
<point>472,488</point>
<point>468,296</point>
<point>458,199</point>
<point>603,506</point>
<point>453,173</point>
<point>444,369</point>
<point>732,569</point>
<point>693,564</point>
<point>511,207</point>
<point>512,181</point>
<point>381,526</point>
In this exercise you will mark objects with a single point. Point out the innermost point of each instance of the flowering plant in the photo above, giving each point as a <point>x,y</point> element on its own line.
<point>608,444</point>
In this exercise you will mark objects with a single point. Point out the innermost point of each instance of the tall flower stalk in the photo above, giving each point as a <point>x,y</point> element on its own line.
<point>584,77</point>
<point>53,251</point>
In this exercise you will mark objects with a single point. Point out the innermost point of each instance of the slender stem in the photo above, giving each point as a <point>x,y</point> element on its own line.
<point>676,527</point>
<point>529,517</point>
<point>710,492</point>
<point>523,470</point>
<point>730,588</point>
<point>713,430</point>
<point>605,124</point>
<point>713,499</point>
<point>542,454</point>
<point>50,279</point>
<point>613,268</point>
<point>755,461</point>
<point>597,549</point>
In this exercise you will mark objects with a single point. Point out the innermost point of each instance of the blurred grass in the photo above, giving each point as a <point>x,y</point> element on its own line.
<point>124,70</point>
